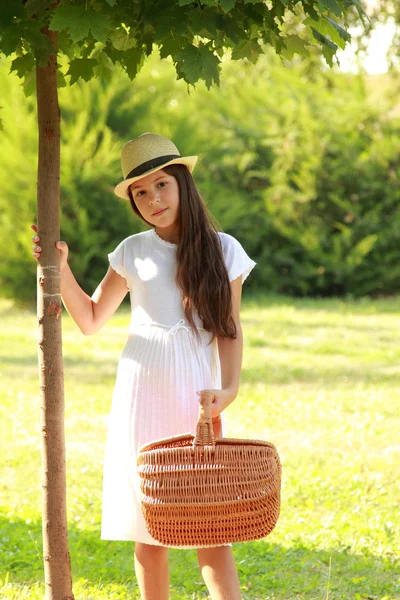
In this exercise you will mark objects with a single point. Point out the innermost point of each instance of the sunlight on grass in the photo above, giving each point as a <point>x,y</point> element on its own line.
<point>320,380</point>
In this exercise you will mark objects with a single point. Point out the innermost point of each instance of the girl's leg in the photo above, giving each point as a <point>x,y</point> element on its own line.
<point>151,568</point>
<point>219,572</point>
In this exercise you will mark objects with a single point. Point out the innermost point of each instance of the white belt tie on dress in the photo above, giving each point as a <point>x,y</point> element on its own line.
<point>181,324</point>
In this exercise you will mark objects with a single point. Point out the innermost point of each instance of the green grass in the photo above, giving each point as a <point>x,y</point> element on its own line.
<point>320,380</point>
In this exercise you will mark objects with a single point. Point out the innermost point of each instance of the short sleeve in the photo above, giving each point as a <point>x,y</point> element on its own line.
<point>236,259</point>
<point>117,261</point>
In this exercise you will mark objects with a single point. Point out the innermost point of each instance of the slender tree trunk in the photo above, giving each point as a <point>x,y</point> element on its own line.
<point>57,567</point>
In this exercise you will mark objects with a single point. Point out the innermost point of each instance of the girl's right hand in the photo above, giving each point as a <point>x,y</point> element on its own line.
<point>62,247</point>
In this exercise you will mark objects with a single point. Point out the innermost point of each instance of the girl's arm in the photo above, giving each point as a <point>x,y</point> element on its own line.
<point>89,313</point>
<point>231,351</point>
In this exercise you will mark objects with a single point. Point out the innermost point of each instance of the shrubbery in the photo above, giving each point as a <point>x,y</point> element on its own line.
<point>301,167</point>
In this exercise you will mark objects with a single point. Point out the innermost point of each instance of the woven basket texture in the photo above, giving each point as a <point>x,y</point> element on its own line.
<point>200,492</point>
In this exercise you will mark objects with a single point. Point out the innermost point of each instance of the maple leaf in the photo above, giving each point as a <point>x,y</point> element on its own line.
<point>29,83</point>
<point>204,22</point>
<point>81,67</point>
<point>294,45</point>
<point>328,48</point>
<point>171,45</point>
<point>250,49</point>
<point>23,64</point>
<point>227,5</point>
<point>132,60</point>
<point>121,40</point>
<point>78,21</point>
<point>199,62</point>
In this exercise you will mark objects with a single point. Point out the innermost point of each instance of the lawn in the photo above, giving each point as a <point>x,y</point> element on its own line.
<point>320,380</point>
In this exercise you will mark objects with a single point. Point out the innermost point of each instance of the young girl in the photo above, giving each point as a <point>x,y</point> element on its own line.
<point>185,281</point>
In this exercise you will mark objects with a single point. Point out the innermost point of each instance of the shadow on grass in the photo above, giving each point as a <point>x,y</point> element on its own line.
<point>266,570</point>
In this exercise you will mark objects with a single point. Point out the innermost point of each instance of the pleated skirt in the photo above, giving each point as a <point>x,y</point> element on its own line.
<point>154,397</point>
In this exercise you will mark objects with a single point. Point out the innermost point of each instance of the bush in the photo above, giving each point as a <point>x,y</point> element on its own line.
<point>298,165</point>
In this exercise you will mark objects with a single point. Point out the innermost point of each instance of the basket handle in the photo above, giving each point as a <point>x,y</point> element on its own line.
<point>205,430</point>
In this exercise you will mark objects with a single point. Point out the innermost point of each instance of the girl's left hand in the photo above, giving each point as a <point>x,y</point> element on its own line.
<point>221,399</point>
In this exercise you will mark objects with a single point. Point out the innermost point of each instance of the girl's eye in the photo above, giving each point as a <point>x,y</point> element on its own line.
<point>140,194</point>
<point>162,183</point>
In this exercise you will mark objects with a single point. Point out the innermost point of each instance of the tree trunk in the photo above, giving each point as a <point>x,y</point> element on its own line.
<point>57,567</point>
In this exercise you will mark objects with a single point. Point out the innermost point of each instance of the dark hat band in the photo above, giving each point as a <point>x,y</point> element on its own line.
<point>151,164</point>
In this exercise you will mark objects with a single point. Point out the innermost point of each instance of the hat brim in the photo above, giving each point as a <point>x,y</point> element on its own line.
<point>121,190</point>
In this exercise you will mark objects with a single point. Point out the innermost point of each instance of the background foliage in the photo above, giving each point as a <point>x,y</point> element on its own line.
<point>296,162</point>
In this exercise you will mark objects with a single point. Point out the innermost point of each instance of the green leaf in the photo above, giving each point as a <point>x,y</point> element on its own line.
<point>29,83</point>
<point>331,5</point>
<point>99,27</point>
<point>104,69</point>
<point>204,22</point>
<point>185,2</point>
<point>61,82</point>
<point>81,67</point>
<point>249,49</point>
<point>328,48</point>
<point>199,63</point>
<point>232,30</point>
<point>210,2</point>
<point>338,33</point>
<point>132,60</point>
<point>294,45</point>
<point>10,39</point>
<point>111,2</point>
<point>121,39</point>
<point>9,10</point>
<point>78,21</point>
<point>274,40</point>
<point>227,5</point>
<point>328,27</point>
<point>171,45</point>
<point>254,32</point>
<point>278,11</point>
<point>359,7</point>
<point>31,32</point>
<point>23,64</point>
<point>36,7</point>
<point>321,38</point>
<point>65,46</point>
<point>71,19</point>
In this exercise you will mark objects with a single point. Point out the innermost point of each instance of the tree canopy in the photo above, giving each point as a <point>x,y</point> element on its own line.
<point>94,35</point>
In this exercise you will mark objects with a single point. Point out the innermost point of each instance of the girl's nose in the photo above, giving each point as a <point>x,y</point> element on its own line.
<point>154,196</point>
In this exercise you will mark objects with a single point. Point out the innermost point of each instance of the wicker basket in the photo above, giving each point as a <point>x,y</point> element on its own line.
<point>198,491</point>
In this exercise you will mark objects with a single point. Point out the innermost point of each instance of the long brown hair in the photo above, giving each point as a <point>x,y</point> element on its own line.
<point>201,272</point>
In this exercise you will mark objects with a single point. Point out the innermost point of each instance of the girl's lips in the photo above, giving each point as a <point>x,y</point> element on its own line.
<point>159,213</point>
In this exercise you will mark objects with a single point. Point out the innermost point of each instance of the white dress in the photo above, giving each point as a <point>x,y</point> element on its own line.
<point>161,368</point>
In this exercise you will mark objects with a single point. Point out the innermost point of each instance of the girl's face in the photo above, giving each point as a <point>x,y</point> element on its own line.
<point>154,193</point>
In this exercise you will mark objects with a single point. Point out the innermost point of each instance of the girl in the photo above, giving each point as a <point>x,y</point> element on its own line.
<point>185,281</point>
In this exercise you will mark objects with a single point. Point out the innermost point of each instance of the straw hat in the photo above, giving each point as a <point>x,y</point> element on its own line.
<point>146,154</point>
